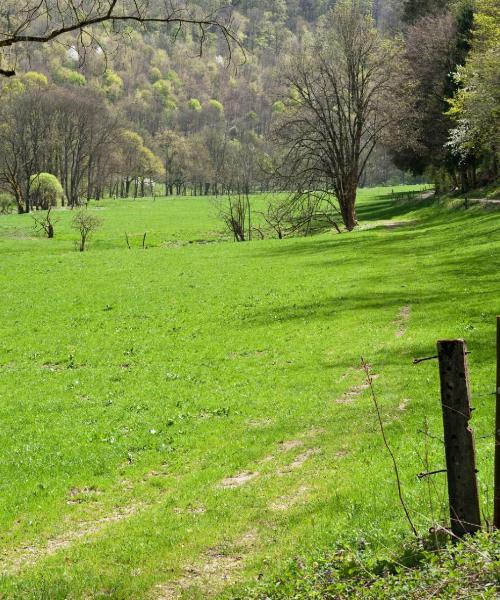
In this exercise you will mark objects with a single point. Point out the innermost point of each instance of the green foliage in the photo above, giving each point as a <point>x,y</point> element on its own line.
<point>476,104</point>
<point>195,105</point>
<point>66,76</point>
<point>164,89</point>
<point>7,203</point>
<point>113,84</point>
<point>46,190</point>
<point>173,77</point>
<point>35,79</point>
<point>279,107</point>
<point>14,88</point>
<point>154,74</point>
<point>216,106</point>
<point>469,569</point>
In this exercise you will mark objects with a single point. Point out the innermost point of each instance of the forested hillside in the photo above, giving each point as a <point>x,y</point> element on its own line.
<point>146,107</point>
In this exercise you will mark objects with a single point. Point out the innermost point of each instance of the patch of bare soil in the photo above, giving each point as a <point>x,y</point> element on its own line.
<point>314,431</point>
<point>290,445</point>
<point>29,555</point>
<point>397,224</point>
<point>356,390</point>
<point>219,566</point>
<point>299,460</point>
<point>197,509</point>
<point>351,394</point>
<point>341,453</point>
<point>238,480</point>
<point>81,495</point>
<point>403,405</point>
<point>287,502</point>
<point>259,423</point>
<point>402,319</point>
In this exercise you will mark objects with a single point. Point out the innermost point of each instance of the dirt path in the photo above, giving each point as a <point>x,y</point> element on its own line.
<point>28,556</point>
<point>402,320</point>
<point>218,567</point>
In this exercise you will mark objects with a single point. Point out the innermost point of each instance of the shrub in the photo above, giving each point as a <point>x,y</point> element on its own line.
<point>36,79</point>
<point>64,75</point>
<point>194,105</point>
<point>85,223</point>
<point>7,204</point>
<point>46,191</point>
<point>154,74</point>
<point>216,106</point>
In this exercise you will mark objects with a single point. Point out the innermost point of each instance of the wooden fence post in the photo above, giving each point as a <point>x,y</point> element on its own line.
<point>496,493</point>
<point>458,437</point>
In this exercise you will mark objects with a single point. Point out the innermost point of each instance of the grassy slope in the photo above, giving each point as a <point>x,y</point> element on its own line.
<point>133,382</point>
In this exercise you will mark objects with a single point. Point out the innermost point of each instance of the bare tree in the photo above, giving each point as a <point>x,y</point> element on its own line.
<point>24,142</point>
<point>45,223</point>
<point>301,214</point>
<point>85,223</point>
<point>58,131</point>
<point>42,21</point>
<point>234,210</point>
<point>239,173</point>
<point>337,107</point>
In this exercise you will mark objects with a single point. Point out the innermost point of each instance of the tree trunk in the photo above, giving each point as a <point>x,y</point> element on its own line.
<point>346,195</point>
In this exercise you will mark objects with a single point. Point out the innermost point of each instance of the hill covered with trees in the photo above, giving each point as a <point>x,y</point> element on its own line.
<point>113,112</point>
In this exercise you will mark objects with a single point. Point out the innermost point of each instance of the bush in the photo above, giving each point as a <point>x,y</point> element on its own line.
<point>67,76</point>
<point>46,191</point>
<point>85,223</point>
<point>468,569</point>
<point>7,204</point>
<point>194,105</point>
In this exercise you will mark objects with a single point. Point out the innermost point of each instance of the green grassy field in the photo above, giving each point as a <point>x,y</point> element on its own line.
<point>178,420</point>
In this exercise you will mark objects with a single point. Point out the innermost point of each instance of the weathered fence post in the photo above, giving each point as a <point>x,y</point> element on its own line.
<point>496,493</point>
<point>458,437</point>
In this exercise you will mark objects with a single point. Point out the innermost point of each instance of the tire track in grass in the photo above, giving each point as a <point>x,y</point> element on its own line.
<point>402,320</point>
<point>27,556</point>
<point>18,559</point>
<point>216,568</point>
<point>355,391</point>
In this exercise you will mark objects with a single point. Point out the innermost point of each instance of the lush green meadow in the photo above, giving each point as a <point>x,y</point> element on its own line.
<point>181,419</point>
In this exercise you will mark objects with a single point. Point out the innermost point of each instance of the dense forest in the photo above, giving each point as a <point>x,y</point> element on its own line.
<point>161,109</point>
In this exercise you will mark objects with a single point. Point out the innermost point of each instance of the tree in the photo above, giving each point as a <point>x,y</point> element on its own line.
<point>56,131</point>
<point>46,191</point>
<point>337,107</point>
<point>85,223</point>
<point>475,106</point>
<point>415,9</point>
<point>43,21</point>
<point>433,45</point>
<point>24,138</point>
<point>7,203</point>
<point>45,223</point>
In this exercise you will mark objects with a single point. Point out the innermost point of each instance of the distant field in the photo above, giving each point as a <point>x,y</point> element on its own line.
<point>180,419</point>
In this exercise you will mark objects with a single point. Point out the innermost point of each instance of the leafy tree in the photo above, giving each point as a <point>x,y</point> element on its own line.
<point>195,105</point>
<point>33,78</point>
<point>46,191</point>
<point>475,106</point>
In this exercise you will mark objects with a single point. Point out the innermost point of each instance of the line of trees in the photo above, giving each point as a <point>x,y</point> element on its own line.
<point>330,94</point>
<point>49,130</point>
